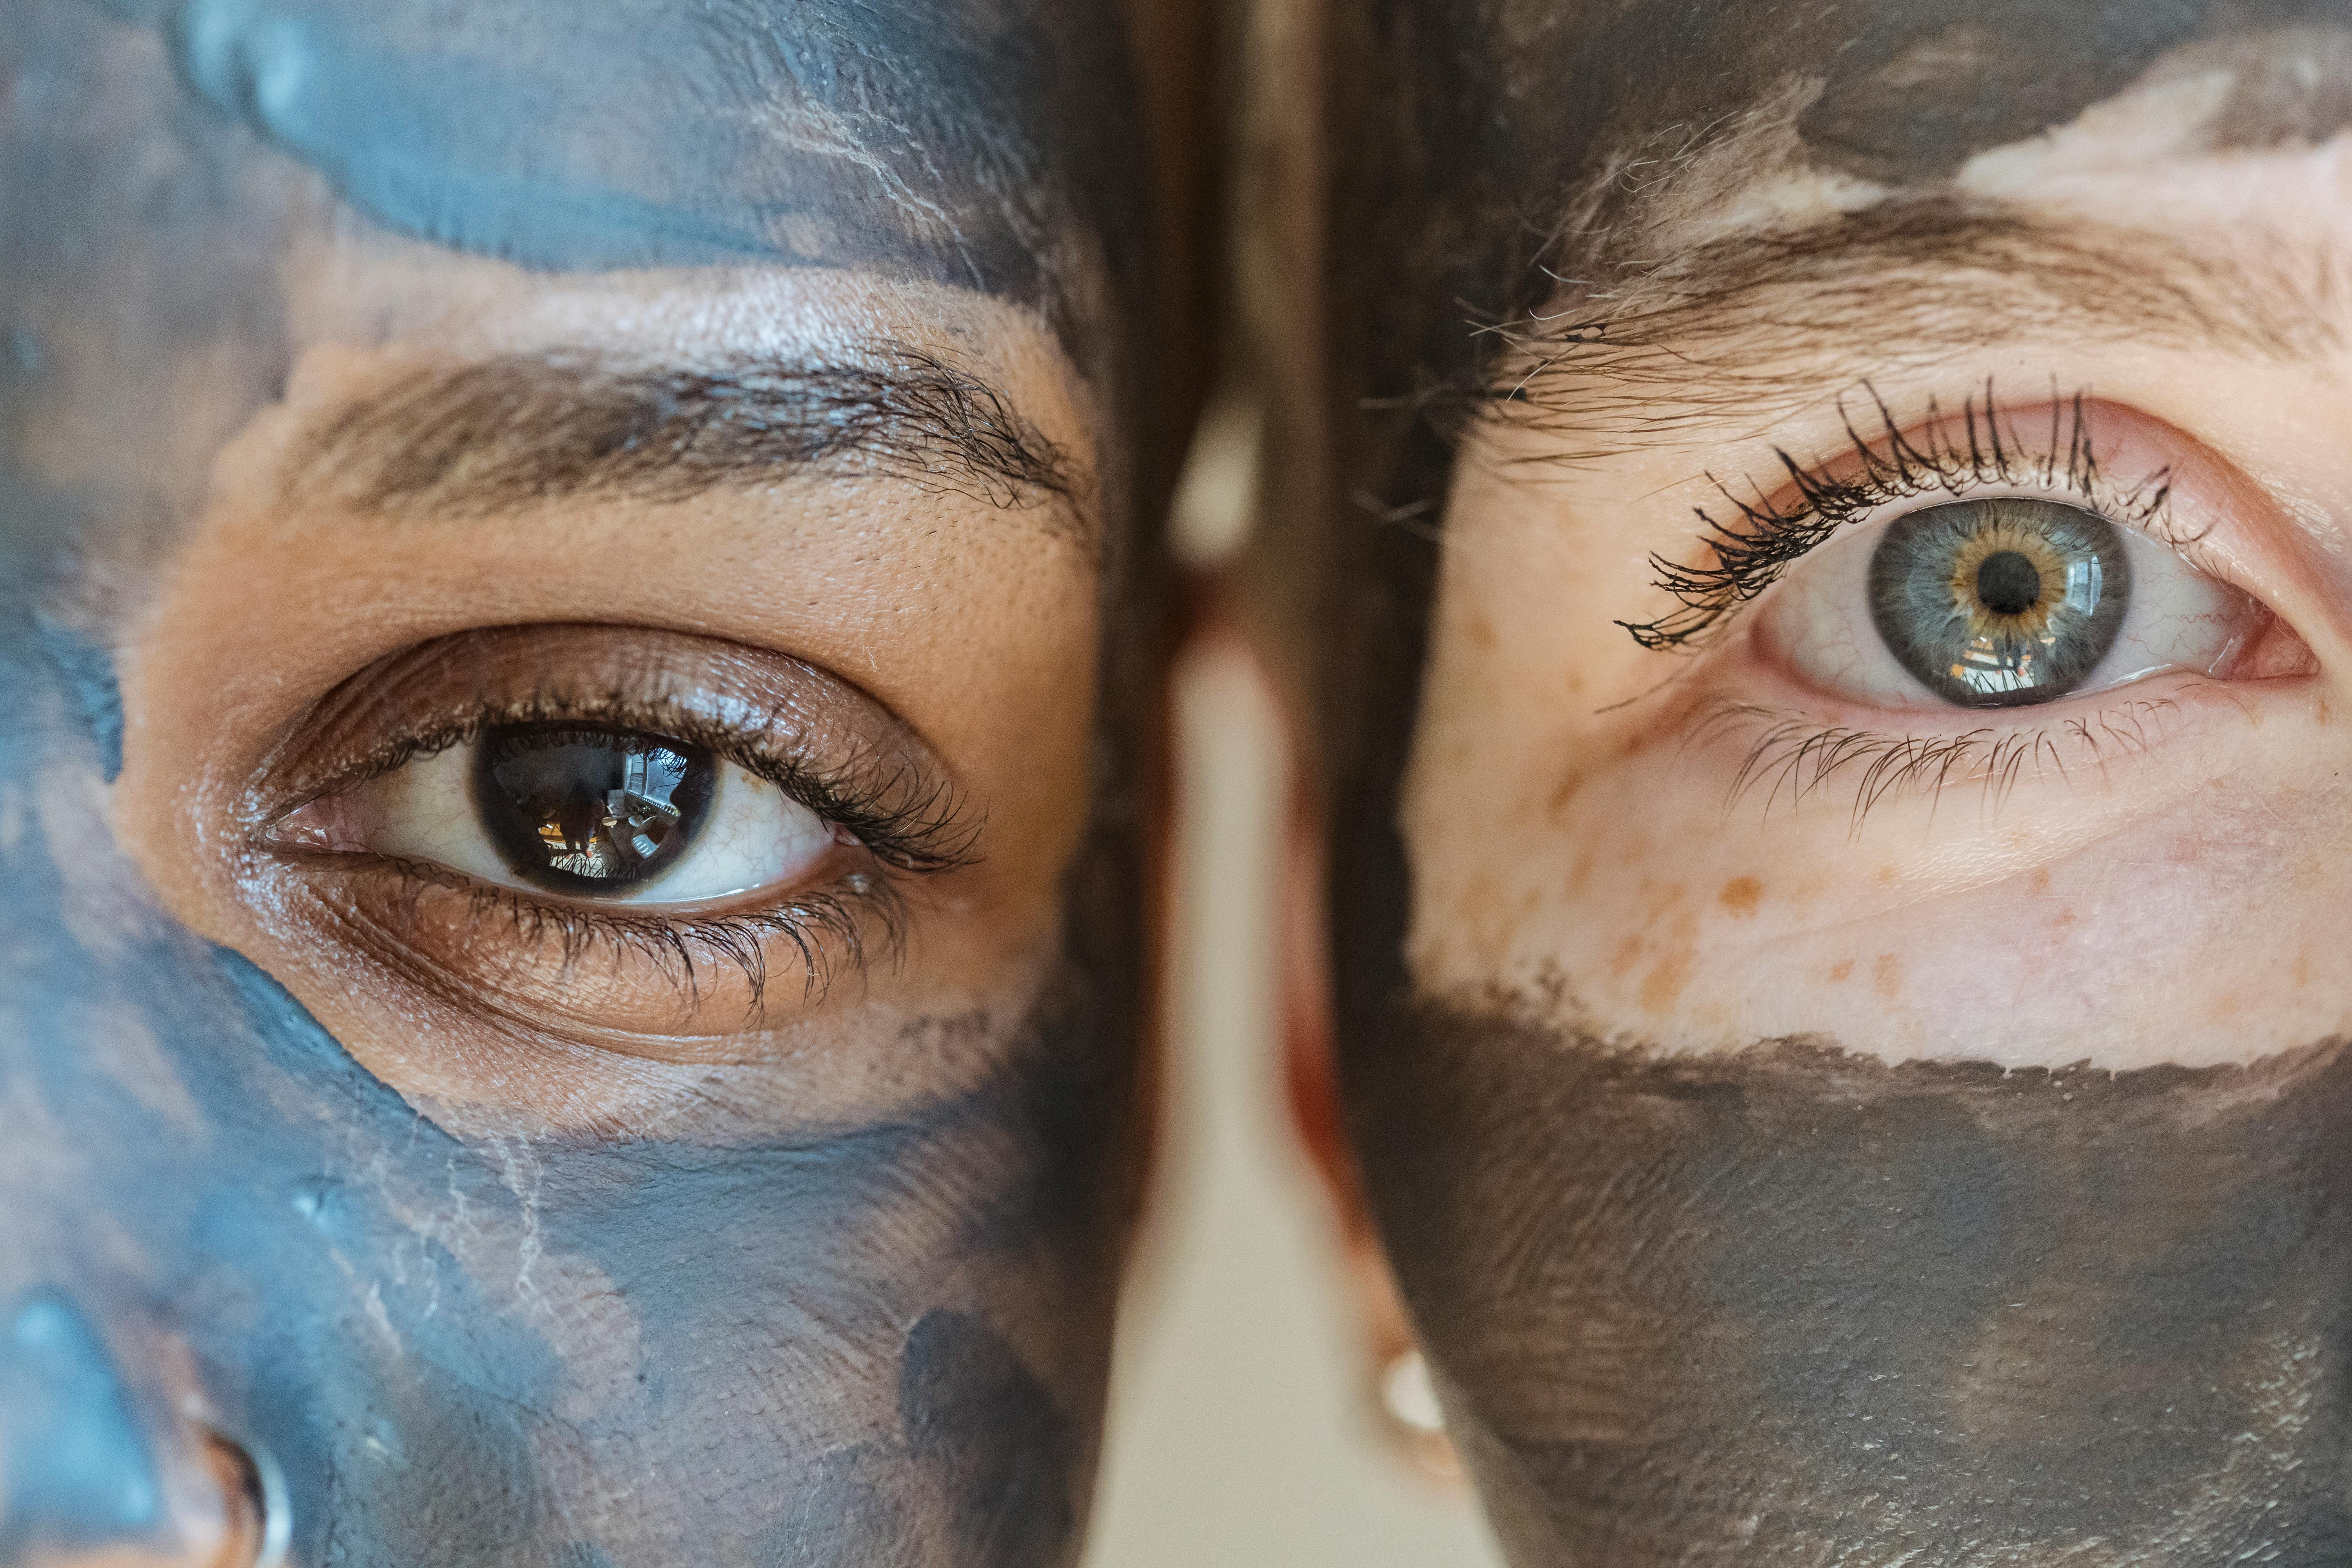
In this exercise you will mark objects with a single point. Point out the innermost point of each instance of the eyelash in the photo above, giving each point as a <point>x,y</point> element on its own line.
<point>1757,548</point>
<point>913,826</point>
<point>1797,754</point>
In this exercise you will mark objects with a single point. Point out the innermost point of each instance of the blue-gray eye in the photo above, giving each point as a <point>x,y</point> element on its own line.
<point>2001,603</point>
<point>586,809</point>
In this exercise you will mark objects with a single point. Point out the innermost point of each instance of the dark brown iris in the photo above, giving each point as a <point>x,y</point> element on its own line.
<point>589,809</point>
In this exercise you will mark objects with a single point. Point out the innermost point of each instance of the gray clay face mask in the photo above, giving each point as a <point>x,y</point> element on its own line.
<point>1841,1078</point>
<point>363,1202</point>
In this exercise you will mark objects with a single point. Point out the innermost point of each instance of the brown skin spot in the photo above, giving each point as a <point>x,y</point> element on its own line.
<point>2303,967</point>
<point>1739,895</point>
<point>1565,795</point>
<point>1622,960</point>
<point>1662,985</point>
<point>1886,974</point>
<point>2064,919</point>
<point>1839,972</point>
<point>2039,883</point>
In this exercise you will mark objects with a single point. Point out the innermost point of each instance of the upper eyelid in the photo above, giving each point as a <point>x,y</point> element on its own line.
<point>1764,540</point>
<point>848,758</point>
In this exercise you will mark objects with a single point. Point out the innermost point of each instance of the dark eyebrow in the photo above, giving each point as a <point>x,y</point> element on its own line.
<point>499,435</point>
<point>1665,345</point>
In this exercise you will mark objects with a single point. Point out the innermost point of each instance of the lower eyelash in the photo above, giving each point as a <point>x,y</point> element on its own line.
<point>1797,756</point>
<point>832,931</point>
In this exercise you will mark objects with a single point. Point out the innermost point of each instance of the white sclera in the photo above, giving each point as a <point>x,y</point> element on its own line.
<point>1818,620</point>
<point>754,836</point>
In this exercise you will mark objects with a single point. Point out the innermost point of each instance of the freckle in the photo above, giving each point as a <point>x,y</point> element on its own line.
<point>1739,895</point>
<point>1839,971</point>
<point>1886,974</point>
<point>1663,984</point>
<point>1482,632</point>
<point>1628,951</point>
<point>1887,873</point>
<point>1565,794</point>
<point>2303,967</point>
<point>2062,918</point>
<point>2040,881</point>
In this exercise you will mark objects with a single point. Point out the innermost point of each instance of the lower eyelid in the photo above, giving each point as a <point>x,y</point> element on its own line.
<point>1781,754</point>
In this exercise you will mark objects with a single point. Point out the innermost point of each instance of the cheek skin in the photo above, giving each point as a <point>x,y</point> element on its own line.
<point>2174,908</point>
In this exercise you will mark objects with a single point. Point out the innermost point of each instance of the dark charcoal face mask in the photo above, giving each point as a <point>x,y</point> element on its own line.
<point>809,1343</point>
<point>1797,1306</point>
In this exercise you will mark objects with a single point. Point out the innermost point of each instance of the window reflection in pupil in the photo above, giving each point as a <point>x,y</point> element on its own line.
<point>584,808</point>
<point>1995,603</point>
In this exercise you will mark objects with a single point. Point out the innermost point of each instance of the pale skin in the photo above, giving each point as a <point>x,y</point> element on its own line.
<point>2163,888</point>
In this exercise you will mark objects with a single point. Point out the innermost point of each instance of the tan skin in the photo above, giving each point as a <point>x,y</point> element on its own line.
<point>898,589</point>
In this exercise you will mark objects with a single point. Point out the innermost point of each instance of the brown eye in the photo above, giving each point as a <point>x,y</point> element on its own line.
<point>584,809</point>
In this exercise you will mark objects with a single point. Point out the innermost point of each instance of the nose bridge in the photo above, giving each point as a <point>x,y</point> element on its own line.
<point>94,1469</point>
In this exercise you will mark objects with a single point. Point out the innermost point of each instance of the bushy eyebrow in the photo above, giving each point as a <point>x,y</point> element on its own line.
<point>499,435</point>
<point>1665,346</point>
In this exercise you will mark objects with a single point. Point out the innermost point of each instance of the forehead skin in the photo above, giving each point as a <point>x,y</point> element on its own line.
<point>838,1338</point>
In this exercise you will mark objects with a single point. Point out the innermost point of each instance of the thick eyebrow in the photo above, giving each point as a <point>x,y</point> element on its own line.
<point>499,435</point>
<point>1725,325</point>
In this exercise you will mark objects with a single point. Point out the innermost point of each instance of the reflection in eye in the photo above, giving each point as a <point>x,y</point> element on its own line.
<point>1999,603</point>
<point>588,810</point>
<point>591,811</point>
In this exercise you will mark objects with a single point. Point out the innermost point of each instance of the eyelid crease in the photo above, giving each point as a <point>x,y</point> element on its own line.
<point>770,714</point>
<point>1755,548</point>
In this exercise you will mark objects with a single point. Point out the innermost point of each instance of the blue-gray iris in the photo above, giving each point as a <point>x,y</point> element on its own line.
<point>2001,603</point>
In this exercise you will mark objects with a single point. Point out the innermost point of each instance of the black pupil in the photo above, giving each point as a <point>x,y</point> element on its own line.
<point>584,808</point>
<point>2007,583</point>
